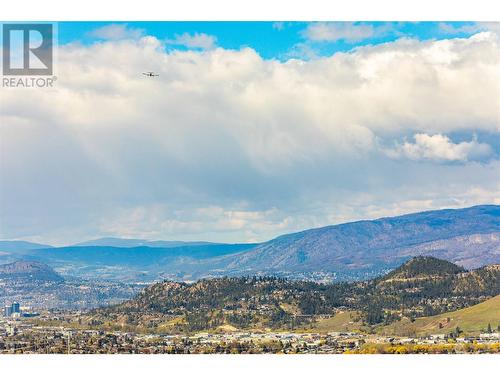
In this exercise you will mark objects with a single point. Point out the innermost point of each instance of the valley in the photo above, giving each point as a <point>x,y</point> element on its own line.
<point>420,283</point>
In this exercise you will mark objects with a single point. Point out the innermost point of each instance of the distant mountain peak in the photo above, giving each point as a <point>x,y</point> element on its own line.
<point>136,242</point>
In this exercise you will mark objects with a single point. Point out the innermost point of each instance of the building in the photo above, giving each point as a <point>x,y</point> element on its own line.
<point>7,311</point>
<point>16,308</point>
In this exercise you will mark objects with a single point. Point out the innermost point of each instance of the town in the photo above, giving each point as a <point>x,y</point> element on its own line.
<point>24,333</point>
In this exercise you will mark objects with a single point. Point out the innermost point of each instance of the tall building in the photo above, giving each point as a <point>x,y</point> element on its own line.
<point>7,311</point>
<point>16,308</point>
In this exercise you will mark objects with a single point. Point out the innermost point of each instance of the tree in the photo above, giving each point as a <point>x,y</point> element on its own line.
<point>489,330</point>
<point>374,315</point>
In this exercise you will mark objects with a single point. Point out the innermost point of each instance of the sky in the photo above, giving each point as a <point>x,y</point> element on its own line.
<point>251,130</point>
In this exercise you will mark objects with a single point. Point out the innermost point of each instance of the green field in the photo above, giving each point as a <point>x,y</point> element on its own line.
<point>473,319</point>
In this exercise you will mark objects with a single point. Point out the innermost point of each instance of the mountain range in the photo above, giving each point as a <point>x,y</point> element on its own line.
<point>469,237</point>
<point>21,245</point>
<point>134,242</point>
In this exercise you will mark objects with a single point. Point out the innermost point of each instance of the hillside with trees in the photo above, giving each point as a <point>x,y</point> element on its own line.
<point>423,286</point>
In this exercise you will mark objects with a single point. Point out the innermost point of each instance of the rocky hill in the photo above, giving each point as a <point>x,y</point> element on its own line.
<point>28,270</point>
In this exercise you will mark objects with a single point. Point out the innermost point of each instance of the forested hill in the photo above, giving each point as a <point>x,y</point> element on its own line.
<point>424,267</point>
<point>259,302</point>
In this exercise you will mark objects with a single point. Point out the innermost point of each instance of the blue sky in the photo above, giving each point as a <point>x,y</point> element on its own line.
<point>276,40</point>
<point>250,130</point>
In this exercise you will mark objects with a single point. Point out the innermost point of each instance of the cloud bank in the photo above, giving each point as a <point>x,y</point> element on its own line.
<point>227,146</point>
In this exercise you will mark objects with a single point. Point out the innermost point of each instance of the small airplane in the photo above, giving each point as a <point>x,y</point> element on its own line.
<point>150,74</point>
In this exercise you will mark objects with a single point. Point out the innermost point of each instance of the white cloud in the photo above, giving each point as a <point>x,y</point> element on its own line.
<point>208,222</point>
<point>471,28</point>
<point>278,26</point>
<point>196,40</point>
<point>439,147</point>
<point>349,32</point>
<point>491,26</point>
<point>226,139</point>
<point>117,32</point>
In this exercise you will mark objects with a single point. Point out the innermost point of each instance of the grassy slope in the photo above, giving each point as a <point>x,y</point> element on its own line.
<point>344,321</point>
<point>470,320</point>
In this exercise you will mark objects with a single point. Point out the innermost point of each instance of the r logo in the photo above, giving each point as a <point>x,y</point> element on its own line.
<point>33,57</point>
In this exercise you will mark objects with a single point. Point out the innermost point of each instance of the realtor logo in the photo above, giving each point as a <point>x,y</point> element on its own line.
<point>28,49</point>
